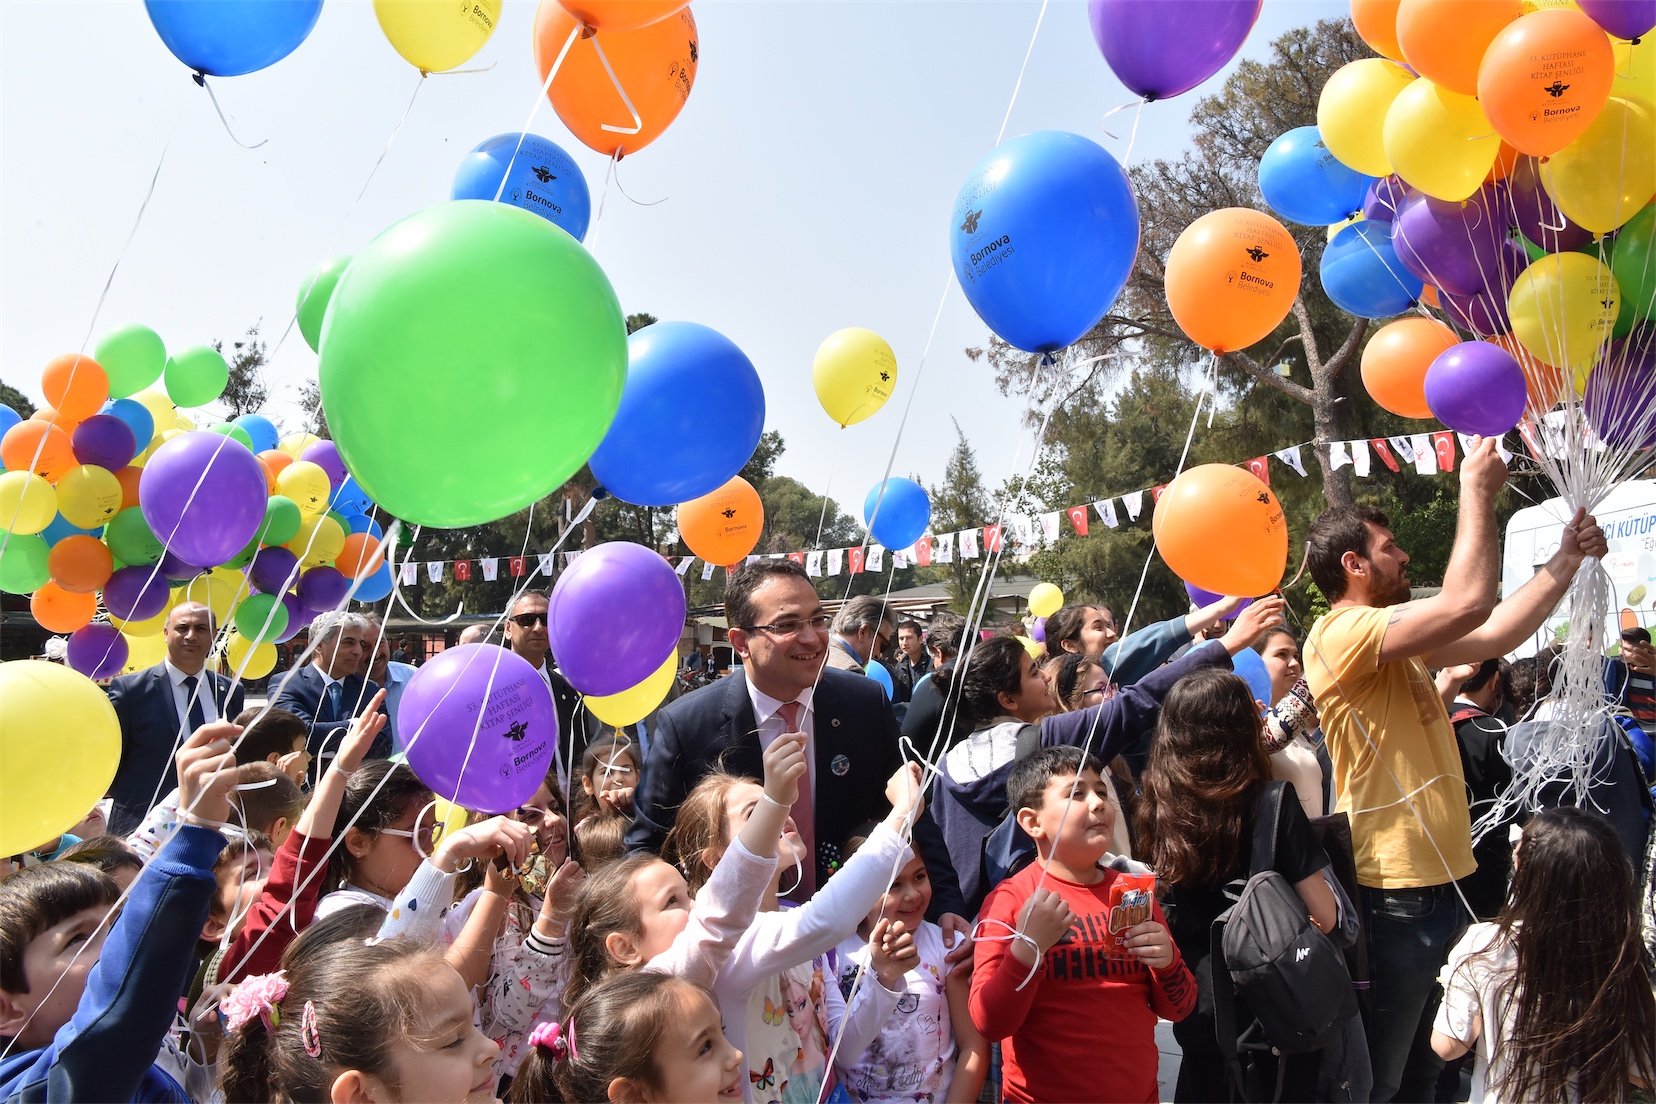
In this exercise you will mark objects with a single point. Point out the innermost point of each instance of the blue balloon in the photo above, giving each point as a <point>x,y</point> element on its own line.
<point>61,527</point>
<point>877,671</point>
<point>1252,669</point>
<point>541,178</point>
<point>362,523</point>
<point>8,418</point>
<point>226,38</point>
<point>1304,183</point>
<point>262,430</point>
<point>903,514</point>
<point>136,415</point>
<point>1361,272</point>
<point>350,498</point>
<point>1043,237</point>
<point>376,586</point>
<point>690,416</point>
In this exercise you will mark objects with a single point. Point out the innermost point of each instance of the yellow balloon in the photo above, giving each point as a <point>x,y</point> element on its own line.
<point>854,372</point>
<point>27,502</point>
<point>183,421</point>
<point>219,590</point>
<point>150,626</point>
<point>1604,177</point>
<point>247,661</point>
<point>161,408</point>
<point>1563,307</point>
<point>322,548</point>
<point>434,35</point>
<point>636,702</point>
<point>1045,599</point>
<point>307,484</point>
<point>143,652</point>
<point>451,816</point>
<point>59,746</point>
<point>1352,110</point>
<point>88,496</point>
<point>1335,228</point>
<point>1440,141</point>
<point>295,443</point>
<point>1635,72</point>
<point>1031,645</point>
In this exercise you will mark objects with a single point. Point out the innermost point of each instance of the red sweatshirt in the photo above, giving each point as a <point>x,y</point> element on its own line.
<point>1084,1028</point>
<point>286,872</point>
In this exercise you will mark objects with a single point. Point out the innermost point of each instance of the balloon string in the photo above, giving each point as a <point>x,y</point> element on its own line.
<point>1017,87</point>
<point>534,109</point>
<point>201,79</point>
<point>630,199</point>
<point>638,121</point>
<point>598,220</point>
<point>822,518</point>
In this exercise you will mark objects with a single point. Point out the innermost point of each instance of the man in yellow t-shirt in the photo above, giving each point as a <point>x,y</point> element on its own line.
<point>1396,765</point>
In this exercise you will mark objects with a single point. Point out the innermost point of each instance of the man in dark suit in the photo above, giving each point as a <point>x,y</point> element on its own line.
<point>328,692</point>
<point>779,630</point>
<point>526,634</point>
<point>159,707</point>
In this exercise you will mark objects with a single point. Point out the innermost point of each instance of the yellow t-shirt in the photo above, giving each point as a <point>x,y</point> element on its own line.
<point>1399,706</point>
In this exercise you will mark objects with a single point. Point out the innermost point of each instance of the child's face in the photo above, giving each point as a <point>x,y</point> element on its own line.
<point>239,885</point>
<point>694,1061</point>
<point>615,770</point>
<point>1080,839</point>
<point>1034,697</point>
<point>551,827</point>
<point>390,861</point>
<point>740,801</point>
<point>447,1058</point>
<point>56,977</point>
<point>907,899</point>
<point>664,904</point>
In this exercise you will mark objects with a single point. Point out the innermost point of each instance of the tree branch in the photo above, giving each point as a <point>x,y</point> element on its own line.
<point>1348,348</point>
<point>1270,378</point>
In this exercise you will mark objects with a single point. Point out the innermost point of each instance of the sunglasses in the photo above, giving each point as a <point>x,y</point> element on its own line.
<point>528,620</point>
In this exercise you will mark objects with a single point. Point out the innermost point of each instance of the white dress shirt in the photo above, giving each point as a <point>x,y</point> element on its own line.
<point>181,696</point>
<point>765,712</point>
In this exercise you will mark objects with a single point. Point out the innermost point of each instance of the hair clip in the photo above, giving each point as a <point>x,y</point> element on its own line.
<point>308,1034</point>
<point>550,1036</point>
<point>257,996</point>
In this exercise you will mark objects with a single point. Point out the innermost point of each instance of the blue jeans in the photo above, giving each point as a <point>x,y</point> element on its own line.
<point>1410,932</point>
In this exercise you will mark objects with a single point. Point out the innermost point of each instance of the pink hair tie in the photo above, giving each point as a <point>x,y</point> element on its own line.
<point>550,1036</point>
<point>257,996</point>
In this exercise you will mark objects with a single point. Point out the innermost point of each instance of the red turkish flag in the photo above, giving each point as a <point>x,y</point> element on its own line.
<point>1078,518</point>
<point>1257,466</point>
<point>462,570</point>
<point>1526,430</point>
<point>855,557</point>
<point>991,538</point>
<point>797,557</point>
<point>1156,492</point>
<point>1444,445</point>
<point>922,551</point>
<point>1380,446</point>
<point>517,565</point>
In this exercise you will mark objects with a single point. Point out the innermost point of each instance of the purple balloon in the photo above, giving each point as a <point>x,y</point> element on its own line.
<point>299,618</point>
<point>1485,313</point>
<point>203,495</point>
<point>325,455</point>
<point>1037,632</point>
<point>1619,394</point>
<point>1163,50</point>
<point>478,726</point>
<point>1455,247</point>
<point>173,567</point>
<point>1622,18</point>
<point>1537,216</point>
<point>104,441</point>
<point>136,593</point>
<point>1384,197</point>
<point>616,615</point>
<point>1200,597</point>
<point>323,588</point>
<point>274,569</point>
<point>97,651</point>
<point>1476,387</point>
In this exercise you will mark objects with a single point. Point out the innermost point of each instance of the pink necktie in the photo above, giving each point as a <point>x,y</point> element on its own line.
<point>803,818</point>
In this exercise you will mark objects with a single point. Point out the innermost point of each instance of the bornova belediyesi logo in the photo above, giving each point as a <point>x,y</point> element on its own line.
<point>971,224</point>
<point>1556,89</point>
<point>728,513</point>
<point>1257,254</point>
<point>518,731</point>
<point>543,174</point>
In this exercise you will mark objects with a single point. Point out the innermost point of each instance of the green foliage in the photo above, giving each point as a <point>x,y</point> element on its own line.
<point>17,400</point>
<point>246,391</point>
<point>640,320</point>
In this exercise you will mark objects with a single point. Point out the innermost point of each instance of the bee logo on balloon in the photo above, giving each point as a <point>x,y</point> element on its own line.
<point>971,224</point>
<point>1263,498</point>
<point>1556,89</point>
<point>693,53</point>
<point>1257,254</point>
<point>518,731</point>
<point>728,513</point>
<point>544,174</point>
<point>885,377</point>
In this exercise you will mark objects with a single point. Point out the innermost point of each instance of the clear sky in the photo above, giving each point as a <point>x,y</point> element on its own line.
<point>807,187</point>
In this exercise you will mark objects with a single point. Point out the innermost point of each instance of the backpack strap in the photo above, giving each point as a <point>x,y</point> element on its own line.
<point>1267,816</point>
<point>1029,741</point>
<point>1466,713</point>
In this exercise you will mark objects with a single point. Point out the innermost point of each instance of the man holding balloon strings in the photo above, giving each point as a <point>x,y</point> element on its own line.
<point>1397,767</point>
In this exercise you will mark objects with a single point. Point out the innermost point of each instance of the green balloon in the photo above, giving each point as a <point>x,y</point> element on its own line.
<point>133,357</point>
<point>456,321</point>
<point>1631,261</point>
<point>130,540</point>
<point>245,556</point>
<point>197,376</point>
<point>1533,251</point>
<point>281,523</point>
<point>234,431</point>
<point>23,563</point>
<point>252,614</point>
<point>314,294</point>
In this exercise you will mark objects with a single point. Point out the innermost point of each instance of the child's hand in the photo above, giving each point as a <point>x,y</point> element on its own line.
<point>294,764</point>
<point>207,773</point>
<point>957,937</point>
<point>483,841</point>
<point>559,903</point>
<point>361,735</point>
<point>785,765</point>
<point>1264,613</point>
<point>1151,944</point>
<point>618,800</point>
<point>904,792</point>
<point>891,952</point>
<point>1046,918</point>
<point>502,881</point>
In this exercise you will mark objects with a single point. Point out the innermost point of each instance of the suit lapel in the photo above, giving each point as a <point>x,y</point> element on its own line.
<point>740,724</point>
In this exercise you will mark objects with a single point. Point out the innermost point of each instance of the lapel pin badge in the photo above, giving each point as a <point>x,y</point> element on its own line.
<point>840,765</point>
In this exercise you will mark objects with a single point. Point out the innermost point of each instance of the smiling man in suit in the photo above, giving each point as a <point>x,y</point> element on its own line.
<point>161,705</point>
<point>329,691</point>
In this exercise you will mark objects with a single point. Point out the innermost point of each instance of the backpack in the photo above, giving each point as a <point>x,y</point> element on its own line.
<point>1290,977</point>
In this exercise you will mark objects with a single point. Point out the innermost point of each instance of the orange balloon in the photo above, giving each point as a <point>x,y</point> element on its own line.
<point>1220,528</point>
<point>1505,162</point>
<point>128,478</point>
<point>62,611</point>
<point>1376,22</point>
<point>80,564</point>
<point>1545,79</point>
<point>1544,383</point>
<point>18,449</point>
<point>1396,359</point>
<point>76,385</point>
<point>274,460</point>
<point>1429,296</point>
<point>621,15</point>
<point>1231,278</point>
<point>53,416</point>
<point>723,526</point>
<point>360,557</point>
<point>655,65</point>
<point>1444,40</point>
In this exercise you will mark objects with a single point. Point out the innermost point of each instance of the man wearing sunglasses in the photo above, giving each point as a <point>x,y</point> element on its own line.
<point>527,636</point>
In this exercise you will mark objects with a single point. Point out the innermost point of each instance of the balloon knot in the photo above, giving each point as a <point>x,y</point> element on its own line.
<point>599,493</point>
<point>200,78</point>
<point>1047,361</point>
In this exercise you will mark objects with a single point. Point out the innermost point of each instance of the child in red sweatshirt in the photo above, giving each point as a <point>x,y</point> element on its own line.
<point>1083,1027</point>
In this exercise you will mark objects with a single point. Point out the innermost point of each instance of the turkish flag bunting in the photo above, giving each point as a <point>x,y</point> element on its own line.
<point>797,557</point>
<point>1078,518</point>
<point>462,570</point>
<point>1444,445</point>
<point>1386,457</point>
<point>1257,466</point>
<point>1156,492</point>
<point>991,538</point>
<point>517,565</point>
<point>922,551</point>
<point>855,557</point>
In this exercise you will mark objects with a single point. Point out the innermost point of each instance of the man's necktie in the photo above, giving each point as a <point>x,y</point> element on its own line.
<point>803,817</point>
<point>336,695</point>
<point>198,712</point>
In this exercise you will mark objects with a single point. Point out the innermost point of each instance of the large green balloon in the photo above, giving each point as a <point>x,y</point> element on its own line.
<point>133,357</point>
<point>314,294</point>
<point>130,540</point>
<point>1633,262</point>
<point>23,563</point>
<point>452,326</point>
<point>196,376</point>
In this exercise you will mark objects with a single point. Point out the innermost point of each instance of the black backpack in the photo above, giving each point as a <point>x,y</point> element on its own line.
<point>1290,977</point>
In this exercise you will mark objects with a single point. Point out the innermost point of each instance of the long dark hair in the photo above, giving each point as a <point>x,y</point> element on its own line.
<point>1064,627</point>
<point>1206,764</point>
<point>401,790</point>
<point>1584,1017</point>
<point>992,668</point>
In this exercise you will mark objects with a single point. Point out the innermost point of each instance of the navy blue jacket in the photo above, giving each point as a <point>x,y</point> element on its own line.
<point>148,712</point>
<point>303,691</point>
